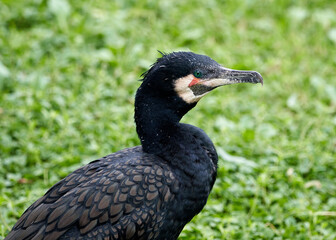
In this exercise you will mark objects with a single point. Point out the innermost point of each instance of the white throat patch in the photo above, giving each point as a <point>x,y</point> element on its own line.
<point>183,90</point>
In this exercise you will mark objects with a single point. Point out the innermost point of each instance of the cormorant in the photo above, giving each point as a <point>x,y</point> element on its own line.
<point>149,191</point>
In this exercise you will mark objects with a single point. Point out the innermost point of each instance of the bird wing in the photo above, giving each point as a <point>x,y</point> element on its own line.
<point>122,195</point>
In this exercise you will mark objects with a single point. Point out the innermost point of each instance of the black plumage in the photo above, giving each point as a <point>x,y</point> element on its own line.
<point>149,191</point>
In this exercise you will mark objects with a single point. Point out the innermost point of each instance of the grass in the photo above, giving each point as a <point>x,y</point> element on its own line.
<point>68,74</point>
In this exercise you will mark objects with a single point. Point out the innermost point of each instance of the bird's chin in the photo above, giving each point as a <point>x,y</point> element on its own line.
<point>200,89</point>
<point>190,97</point>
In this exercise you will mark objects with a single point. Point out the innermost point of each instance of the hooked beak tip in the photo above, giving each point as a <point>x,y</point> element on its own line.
<point>260,78</point>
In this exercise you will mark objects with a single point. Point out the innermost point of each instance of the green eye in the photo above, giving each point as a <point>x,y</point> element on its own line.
<point>198,74</point>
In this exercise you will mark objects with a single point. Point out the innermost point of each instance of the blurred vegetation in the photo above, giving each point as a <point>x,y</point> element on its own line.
<point>68,74</point>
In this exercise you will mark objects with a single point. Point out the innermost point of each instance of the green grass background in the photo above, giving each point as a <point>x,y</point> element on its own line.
<point>68,75</point>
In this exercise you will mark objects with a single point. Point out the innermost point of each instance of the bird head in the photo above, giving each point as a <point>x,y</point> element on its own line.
<point>189,76</point>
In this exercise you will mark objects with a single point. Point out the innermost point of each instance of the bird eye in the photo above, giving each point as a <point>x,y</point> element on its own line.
<point>198,73</point>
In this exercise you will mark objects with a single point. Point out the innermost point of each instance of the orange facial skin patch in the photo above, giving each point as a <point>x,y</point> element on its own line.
<point>193,82</point>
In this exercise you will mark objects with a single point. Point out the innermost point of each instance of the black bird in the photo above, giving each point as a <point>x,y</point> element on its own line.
<point>149,191</point>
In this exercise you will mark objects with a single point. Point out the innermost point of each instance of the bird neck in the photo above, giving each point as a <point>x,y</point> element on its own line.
<point>157,121</point>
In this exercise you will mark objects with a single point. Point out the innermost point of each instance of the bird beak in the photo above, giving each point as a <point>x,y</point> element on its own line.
<point>226,76</point>
<point>192,89</point>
